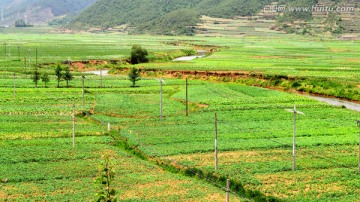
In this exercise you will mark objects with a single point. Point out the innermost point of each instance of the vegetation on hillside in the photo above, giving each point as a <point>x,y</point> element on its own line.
<point>317,20</point>
<point>174,17</point>
<point>13,10</point>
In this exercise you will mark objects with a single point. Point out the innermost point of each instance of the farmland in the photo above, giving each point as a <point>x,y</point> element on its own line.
<point>255,138</point>
<point>38,159</point>
<point>321,64</point>
<point>255,131</point>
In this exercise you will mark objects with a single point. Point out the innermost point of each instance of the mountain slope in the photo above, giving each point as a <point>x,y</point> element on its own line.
<point>162,16</point>
<point>39,11</point>
<point>180,17</point>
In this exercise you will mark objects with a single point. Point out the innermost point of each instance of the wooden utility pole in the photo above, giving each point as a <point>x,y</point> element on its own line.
<point>101,78</point>
<point>36,57</point>
<point>73,124</point>
<point>358,123</point>
<point>227,190</point>
<point>14,85</point>
<point>294,143</point>
<point>294,136</point>
<point>216,143</point>
<point>29,53</point>
<point>161,100</point>
<point>83,91</point>
<point>25,65</point>
<point>187,97</point>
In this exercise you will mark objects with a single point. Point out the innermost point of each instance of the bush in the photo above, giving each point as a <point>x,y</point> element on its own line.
<point>138,55</point>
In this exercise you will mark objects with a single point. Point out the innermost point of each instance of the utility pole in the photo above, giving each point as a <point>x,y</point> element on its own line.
<point>73,124</point>
<point>29,54</point>
<point>5,50</point>
<point>19,51</point>
<point>25,65</point>
<point>161,100</point>
<point>227,190</point>
<point>14,85</point>
<point>36,57</point>
<point>294,136</point>
<point>187,97</point>
<point>294,143</point>
<point>100,77</point>
<point>358,124</point>
<point>83,91</point>
<point>216,143</point>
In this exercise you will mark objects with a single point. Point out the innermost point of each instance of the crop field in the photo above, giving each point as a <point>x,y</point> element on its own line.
<point>272,54</point>
<point>255,137</point>
<point>322,64</point>
<point>40,163</point>
<point>255,132</point>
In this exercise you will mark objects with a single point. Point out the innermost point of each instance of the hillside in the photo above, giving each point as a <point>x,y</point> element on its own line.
<point>169,17</point>
<point>178,17</point>
<point>37,12</point>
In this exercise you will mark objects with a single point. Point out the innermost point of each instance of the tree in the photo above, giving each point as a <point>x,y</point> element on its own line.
<point>45,78</point>
<point>134,75</point>
<point>105,193</point>
<point>36,77</point>
<point>58,74</point>
<point>68,76</point>
<point>138,55</point>
<point>20,23</point>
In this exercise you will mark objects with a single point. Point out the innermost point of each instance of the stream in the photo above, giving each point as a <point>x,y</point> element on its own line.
<point>337,102</point>
<point>201,54</point>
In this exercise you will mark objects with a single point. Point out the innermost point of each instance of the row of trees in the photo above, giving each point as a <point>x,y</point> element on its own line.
<point>134,75</point>
<point>138,55</point>
<point>45,78</point>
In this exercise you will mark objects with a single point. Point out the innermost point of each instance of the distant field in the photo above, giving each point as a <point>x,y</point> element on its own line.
<point>323,65</point>
<point>278,54</point>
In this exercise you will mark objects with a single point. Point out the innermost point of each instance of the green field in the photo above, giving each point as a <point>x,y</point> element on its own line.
<point>255,137</point>
<point>322,65</point>
<point>38,159</point>
<point>255,131</point>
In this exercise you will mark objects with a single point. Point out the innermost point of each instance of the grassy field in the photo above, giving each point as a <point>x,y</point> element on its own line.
<point>255,131</point>
<point>38,159</point>
<point>255,137</point>
<point>323,65</point>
